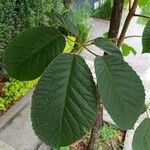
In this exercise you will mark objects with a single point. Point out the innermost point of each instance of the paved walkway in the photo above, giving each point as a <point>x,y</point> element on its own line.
<point>18,134</point>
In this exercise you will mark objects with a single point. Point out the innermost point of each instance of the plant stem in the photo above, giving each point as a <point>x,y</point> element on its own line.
<point>143,16</point>
<point>130,4</point>
<point>90,51</point>
<point>133,36</point>
<point>98,123</point>
<point>127,22</point>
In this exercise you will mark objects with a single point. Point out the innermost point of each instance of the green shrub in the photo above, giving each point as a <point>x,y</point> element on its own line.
<point>104,10</point>
<point>80,16</point>
<point>18,15</point>
<point>145,11</point>
<point>13,91</point>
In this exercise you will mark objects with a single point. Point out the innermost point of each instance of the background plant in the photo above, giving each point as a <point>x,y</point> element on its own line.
<point>66,99</point>
<point>13,91</point>
<point>18,15</point>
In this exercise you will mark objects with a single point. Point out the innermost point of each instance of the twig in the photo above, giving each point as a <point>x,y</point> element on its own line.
<point>147,114</point>
<point>127,22</point>
<point>143,16</point>
<point>89,51</point>
<point>130,4</point>
<point>133,36</point>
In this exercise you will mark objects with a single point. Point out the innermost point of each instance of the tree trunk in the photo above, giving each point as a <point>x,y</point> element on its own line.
<point>115,19</point>
<point>98,123</point>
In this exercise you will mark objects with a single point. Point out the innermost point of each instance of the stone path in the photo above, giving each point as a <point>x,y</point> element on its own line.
<point>18,134</point>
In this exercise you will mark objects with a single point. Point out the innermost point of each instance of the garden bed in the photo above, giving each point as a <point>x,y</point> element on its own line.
<point>111,138</point>
<point>13,90</point>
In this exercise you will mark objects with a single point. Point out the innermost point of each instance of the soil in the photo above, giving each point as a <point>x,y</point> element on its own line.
<point>79,145</point>
<point>3,79</point>
<point>114,143</point>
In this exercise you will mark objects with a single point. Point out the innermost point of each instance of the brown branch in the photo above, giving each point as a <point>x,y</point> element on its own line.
<point>115,19</point>
<point>127,22</point>
<point>133,36</point>
<point>89,51</point>
<point>143,16</point>
<point>97,125</point>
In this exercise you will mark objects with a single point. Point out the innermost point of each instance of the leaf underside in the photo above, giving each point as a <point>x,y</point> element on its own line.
<point>64,101</point>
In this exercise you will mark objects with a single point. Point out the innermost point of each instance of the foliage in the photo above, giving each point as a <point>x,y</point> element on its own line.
<point>79,18</point>
<point>146,38</point>
<point>107,46</point>
<point>104,10</point>
<point>145,11</point>
<point>69,44</point>
<point>126,50</point>
<point>84,31</point>
<point>142,136</point>
<point>18,15</point>
<point>64,101</point>
<point>108,131</point>
<point>116,75</point>
<point>13,91</point>
<point>33,69</point>
<point>64,121</point>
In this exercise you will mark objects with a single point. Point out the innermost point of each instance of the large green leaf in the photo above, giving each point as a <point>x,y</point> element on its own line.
<point>28,55</point>
<point>107,46</point>
<point>121,90</point>
<point>146,38</point>
<point>64,101</point>
<point>142,136</point>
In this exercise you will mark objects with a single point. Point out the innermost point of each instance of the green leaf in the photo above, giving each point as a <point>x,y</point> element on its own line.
<point>66,23</point>
<point>105,35</point>
<point>29,54</point>
<point>143,2</point>
<point>145,11</point>
<point>146,38</point>
<point>126,49</point>
<point>107,46</point>
<point>64,101</point>
<point>142,136</point>
<point>121,90</point>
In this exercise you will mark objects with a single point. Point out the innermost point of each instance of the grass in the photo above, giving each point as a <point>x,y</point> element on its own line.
<point>111,138</point>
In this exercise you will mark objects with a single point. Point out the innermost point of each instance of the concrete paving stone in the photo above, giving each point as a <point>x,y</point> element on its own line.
<point>19,134</point>
<point>44,147</point>
<point>15,109</point>
<point>4,146</point>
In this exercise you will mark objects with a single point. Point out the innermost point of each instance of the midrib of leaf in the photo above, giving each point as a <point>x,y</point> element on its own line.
<point>39,49</point>
<point>35,52</point>
<point>113,82</point>
<point>67,89</point>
